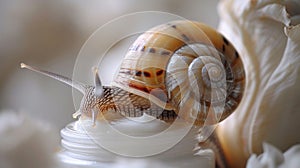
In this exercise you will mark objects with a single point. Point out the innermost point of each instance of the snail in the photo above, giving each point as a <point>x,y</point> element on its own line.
<point>179,69</point>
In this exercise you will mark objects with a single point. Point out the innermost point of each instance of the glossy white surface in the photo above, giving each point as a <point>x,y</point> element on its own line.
<point>86,144</point>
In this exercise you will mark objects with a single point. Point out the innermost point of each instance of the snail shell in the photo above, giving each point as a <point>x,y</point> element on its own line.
<point>186,67</point>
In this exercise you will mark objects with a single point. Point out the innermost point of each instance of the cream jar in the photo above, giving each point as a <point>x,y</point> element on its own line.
<point>123,141</point>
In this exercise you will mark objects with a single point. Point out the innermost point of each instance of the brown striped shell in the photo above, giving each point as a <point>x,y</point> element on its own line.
<point>186,67</point>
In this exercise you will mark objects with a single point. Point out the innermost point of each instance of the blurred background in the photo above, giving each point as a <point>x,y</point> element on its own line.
<point>50,33</point>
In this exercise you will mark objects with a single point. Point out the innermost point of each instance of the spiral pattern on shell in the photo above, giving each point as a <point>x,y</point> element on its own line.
<point>186,67</point>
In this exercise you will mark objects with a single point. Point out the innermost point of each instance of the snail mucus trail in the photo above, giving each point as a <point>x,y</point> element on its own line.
<point>179,69</point>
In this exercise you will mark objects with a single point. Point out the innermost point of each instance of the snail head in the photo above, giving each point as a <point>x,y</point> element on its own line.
<point>92,95</point>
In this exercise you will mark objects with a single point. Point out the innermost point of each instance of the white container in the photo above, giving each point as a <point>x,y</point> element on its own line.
<point>142,141</point>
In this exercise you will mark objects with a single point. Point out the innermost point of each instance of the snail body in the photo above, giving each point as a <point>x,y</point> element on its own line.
<point>179,69</point>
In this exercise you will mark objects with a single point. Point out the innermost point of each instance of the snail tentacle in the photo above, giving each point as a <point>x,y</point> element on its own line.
<point>74,84</point>
<point>98,85</point>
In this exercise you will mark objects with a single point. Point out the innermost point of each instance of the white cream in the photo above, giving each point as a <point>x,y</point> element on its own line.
<point>135,139</point>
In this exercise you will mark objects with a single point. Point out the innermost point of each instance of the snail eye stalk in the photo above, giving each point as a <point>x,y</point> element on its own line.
<point>98,84</point>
